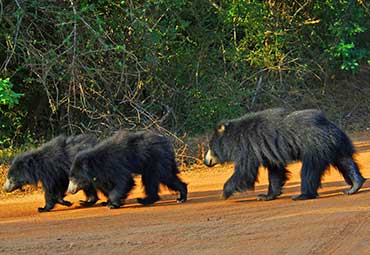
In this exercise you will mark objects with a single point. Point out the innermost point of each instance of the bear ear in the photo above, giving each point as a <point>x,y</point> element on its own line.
<point>221,128</point>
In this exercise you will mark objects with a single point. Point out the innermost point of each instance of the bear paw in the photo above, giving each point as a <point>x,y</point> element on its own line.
<point>181,200</point>
<point>355,187</point>
<point>263,197</point>
<point>104,203</point>
<point>87,203</point>
<point>43,209</point>
<point>227,194</point>
<point>64,202</point>
<point>304,197</point>
<point>147,200</point>
<point>113,206</point>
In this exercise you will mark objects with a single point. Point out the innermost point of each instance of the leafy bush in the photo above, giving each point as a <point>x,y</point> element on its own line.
<point>7,96</point>
<point>10,121</point>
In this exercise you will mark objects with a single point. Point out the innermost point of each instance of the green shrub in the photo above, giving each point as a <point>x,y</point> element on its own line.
<point>7,96</point>
<point>10,121</point>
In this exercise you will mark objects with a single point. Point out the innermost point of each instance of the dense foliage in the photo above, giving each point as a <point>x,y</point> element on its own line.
<point>8,98</point>
<point>174,65</point>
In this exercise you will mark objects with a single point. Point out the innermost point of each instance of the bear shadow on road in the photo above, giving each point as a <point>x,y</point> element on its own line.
<point>250,196</point>
<point>294,188</point>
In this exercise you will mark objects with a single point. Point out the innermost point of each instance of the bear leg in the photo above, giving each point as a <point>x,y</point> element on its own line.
<point>59,198</point>
<point>115,198</point>
<point>174,183</point>
<point>231,185</point>
<point>312,170</point>
<point>130,185</point>
<point>91,196</point>
<point>344,171</point>
<point>64,202</point>
<point>151,186</point>
<point>351,173</point>
<point>244,177</point>
<point>277,178</point>
<point>49,203</point>
<point>183,189</point>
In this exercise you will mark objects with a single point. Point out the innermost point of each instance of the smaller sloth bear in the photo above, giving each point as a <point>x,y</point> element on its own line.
<point>275,137</point>
<point>109,166</point>
<point>50,164</point>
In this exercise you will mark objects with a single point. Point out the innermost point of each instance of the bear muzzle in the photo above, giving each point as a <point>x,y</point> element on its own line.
<point>9,186</point>
<point>211,159</point>
<point>73,187</point>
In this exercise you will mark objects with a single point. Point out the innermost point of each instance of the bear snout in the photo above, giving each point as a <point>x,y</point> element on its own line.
<point>9,186</point>
<point>210,159</point>
<point>73,187</point>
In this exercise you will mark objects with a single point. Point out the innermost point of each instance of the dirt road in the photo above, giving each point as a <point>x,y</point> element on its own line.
<point>331,224</point>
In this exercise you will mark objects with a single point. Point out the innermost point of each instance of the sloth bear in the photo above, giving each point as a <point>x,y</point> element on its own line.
<point>109,166</point>
<point>50,164</point>
<point>275,137</point>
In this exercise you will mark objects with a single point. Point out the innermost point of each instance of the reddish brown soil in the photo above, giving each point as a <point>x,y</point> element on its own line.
<point>332,224</point>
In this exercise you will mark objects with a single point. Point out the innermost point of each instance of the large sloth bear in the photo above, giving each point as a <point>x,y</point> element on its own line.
<point>110,164</point>
<point>50,164</point>
<point>275,137</point>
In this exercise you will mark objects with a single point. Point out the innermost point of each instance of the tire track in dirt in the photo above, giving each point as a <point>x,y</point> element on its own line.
<point>332,242</point>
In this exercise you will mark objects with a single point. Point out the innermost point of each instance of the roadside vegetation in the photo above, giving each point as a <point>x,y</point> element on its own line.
<point>176,66</point>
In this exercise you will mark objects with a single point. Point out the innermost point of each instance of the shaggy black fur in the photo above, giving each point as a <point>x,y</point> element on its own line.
<point>109,167</point>
<point>273,138</point>
<point>50,164</point>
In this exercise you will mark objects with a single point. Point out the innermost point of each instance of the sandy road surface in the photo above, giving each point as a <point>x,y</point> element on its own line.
<point>331,224</point>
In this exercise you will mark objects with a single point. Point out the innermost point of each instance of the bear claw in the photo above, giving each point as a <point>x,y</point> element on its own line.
<point>226,195</point>
<point>355,187</point>
<point>147,201</point>
<point>104,203</point>
<point>43,209</point>
<point>304,197</point>
<point>113,206</point>
<point>65,203</point>
<point>263,197</point>
<point>87,203</point>
<point>181,200</point>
